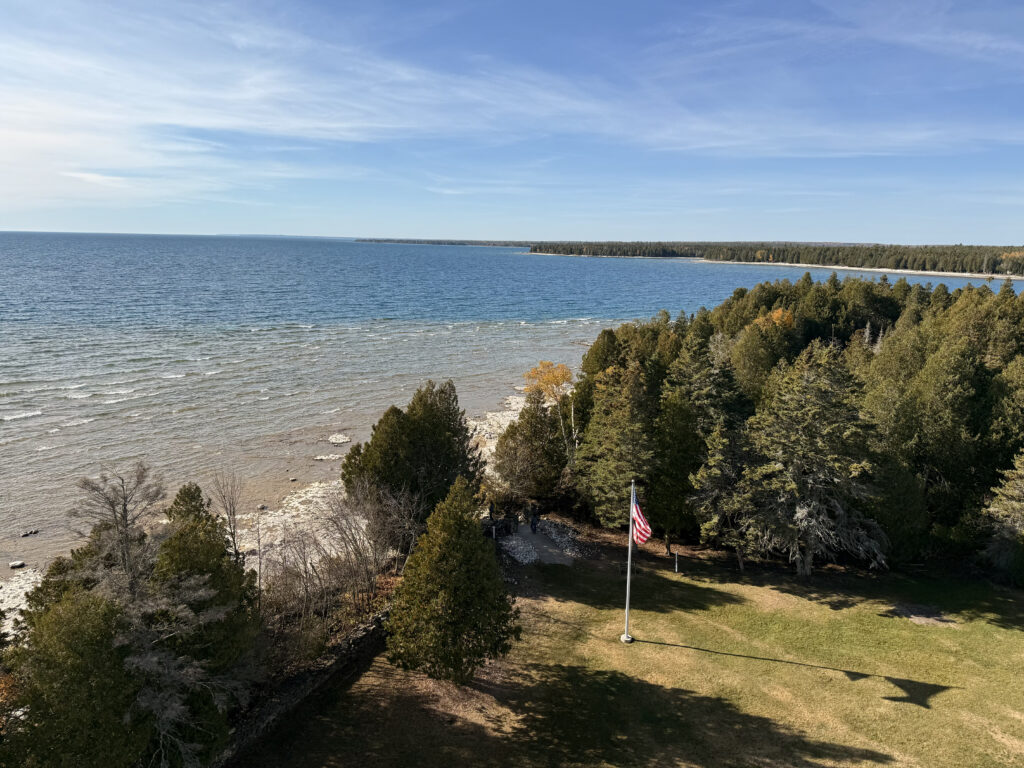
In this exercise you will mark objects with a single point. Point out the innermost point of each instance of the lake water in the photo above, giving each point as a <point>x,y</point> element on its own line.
<point>205,353</point>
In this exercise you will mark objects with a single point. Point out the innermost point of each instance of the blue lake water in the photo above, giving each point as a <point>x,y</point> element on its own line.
<point>200,353</point>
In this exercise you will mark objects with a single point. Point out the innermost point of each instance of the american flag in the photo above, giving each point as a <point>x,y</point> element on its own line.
<point>641,528</point>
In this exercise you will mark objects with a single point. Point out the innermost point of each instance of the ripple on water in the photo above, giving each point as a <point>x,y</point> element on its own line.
<point>20,416</point>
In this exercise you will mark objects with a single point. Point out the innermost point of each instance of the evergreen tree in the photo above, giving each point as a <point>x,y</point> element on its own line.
<point>529,456</point>
<point>809,478</point>
<point>420,450</point>
<point>759,347</point>
<point>451,612</point>
<point>1005,512</point>
<point>676,453</point>
<point>616,446</point>
<point>75,695</point>
<point>720,511</point>
<point>195,568</point>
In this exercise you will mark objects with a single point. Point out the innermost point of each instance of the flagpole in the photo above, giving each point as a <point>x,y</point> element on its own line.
<point>626,638</point>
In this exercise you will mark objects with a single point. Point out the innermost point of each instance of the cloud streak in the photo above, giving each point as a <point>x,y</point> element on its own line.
<point>140,103</point>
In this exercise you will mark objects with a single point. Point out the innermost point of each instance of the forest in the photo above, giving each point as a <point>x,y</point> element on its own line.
<point>869,424</point>
<point>857,421</point>
<point>981,259</point>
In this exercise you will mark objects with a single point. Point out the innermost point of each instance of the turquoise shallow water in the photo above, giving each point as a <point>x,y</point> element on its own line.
<point>200,353</point>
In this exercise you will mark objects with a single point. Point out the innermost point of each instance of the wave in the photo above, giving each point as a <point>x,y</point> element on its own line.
<point>78,395</point>
<point>119,392</point>
<point>115,400</point>
<point>25,415</point>
<point>173,376</point>
<point>77,422</point>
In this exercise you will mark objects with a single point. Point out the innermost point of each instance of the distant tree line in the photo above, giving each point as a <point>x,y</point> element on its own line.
<point>416,241</point>
<point>985,259</point>
<point>857,420</point>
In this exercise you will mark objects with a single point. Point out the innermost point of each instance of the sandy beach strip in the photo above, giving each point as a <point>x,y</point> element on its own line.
<point>697,260</point>
<point>920,273</point>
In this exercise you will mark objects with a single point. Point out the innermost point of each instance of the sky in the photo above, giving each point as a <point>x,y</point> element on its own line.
<point>817,120</point>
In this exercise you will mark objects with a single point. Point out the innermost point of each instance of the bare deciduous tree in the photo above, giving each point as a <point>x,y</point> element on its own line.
<point>228,492</point>
<point>119,503</point>
<point>356,558</point>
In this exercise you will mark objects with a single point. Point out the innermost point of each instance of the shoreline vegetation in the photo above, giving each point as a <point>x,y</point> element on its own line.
<point>955,259</point>
<point>292,514</point>
<point>982,261</point>
<point>826,428</point>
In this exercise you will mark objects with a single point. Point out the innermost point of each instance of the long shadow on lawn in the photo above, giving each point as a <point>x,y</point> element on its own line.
<point>915,691</point>
<point>571,715</point>
<point>960,596</point>
<point>389,720</point>
<point>653,589</point>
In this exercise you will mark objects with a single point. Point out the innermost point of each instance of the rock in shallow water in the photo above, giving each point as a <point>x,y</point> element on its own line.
<point>15,564</point>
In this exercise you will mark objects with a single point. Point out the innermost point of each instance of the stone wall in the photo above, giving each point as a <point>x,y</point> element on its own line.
<point>340,662</point>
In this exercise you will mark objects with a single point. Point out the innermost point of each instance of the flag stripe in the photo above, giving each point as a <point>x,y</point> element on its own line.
<point>641,528</point>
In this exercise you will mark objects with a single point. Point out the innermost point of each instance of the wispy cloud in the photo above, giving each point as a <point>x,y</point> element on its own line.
<point>117,103</point>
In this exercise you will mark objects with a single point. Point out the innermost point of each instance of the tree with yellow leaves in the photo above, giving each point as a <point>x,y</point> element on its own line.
<point>555,383</point>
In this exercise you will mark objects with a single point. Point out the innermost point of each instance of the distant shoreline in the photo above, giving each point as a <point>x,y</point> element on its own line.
<point>927,273</point>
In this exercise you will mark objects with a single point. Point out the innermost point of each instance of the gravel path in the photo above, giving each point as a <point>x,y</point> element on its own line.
<point>547,552</point>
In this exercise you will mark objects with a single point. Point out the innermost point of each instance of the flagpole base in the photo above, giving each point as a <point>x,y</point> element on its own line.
<point>626,638</point>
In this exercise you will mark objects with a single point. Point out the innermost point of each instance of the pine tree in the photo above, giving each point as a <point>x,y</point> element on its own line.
<point>809,478</point>
<point>451,612</point>
<point>616,448</point>
<point>1005,512</point>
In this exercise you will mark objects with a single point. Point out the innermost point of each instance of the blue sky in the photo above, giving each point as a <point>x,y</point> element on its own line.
<point>895,121</point>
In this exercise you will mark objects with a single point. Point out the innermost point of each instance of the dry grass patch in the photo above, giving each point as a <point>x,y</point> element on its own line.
<point>766,671</point>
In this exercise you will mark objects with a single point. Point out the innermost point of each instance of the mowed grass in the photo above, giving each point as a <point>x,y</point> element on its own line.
<point>726,671</point>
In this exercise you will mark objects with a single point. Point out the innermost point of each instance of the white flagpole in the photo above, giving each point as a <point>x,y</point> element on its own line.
<point>626,638</point>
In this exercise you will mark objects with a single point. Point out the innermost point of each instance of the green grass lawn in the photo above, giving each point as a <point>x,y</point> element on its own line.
<point>758,671</point>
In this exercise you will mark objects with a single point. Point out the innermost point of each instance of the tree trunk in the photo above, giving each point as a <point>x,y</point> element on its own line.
<point>739,557</point>
<point>804,563</point>
<point>565,437</point>
<point>668,545</point>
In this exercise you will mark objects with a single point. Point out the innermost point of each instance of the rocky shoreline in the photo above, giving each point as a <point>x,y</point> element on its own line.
<point>296,513</point>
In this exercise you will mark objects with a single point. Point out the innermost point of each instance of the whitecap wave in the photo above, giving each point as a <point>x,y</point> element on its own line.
<point>17,416</point>
<point>115,400</point>
<point>77,422</point>
<point>78,395</point>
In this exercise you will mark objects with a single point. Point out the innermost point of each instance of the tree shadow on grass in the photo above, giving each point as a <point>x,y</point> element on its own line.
<point>391,719</point>
<point>652,589</point>
<point>542,715</point>
<point>914,691</point>
<point>964,597</point>
<point>571,715</point>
